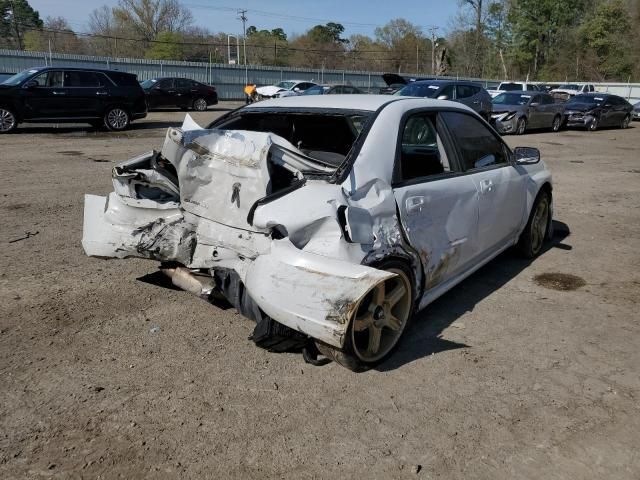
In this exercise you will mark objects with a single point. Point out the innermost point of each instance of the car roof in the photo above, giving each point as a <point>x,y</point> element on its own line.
<point>79,69</point>
<point>445,82</point>
<point>347,102</point>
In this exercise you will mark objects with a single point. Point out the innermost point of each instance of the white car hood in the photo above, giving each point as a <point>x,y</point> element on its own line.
<point>269,91</point>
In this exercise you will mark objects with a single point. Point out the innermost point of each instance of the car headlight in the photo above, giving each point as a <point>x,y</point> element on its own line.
<point>509,117</point>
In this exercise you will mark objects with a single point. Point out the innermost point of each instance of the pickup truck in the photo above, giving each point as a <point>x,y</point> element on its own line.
<point>514,86</point>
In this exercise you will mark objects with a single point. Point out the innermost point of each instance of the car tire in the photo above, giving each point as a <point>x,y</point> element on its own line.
<point>557,123</point>
<point>117,119</point>
<point>626,122</point>
<point>521,126</point>
<point>593,125</point>
<point>532,238</point>
<point>8,120</point>
<point>200,104</point>
<point>379,322</point>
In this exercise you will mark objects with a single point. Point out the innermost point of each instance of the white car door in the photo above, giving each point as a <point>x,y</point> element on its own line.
<point>438,204</point>
<point>501,186</point>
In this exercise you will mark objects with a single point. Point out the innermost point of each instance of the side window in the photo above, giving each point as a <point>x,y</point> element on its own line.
<point>464,91</point>
<point>422,153</point>
<point>536,99</point>
<point>183,83</point>
<point>447,92</point>
<point>74,78</point>
<point>477,145</point>
<point>166,84</point>
<point>547,100</point>
<point>49,79</point>
<point>304,86</point>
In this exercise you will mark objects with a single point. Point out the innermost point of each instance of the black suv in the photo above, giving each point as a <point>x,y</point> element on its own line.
<point>179,92</point>
<point>61,94</point>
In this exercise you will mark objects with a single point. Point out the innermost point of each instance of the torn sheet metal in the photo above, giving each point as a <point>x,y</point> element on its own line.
<point>308,292</point>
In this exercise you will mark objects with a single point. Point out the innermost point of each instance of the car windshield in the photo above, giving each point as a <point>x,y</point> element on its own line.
<point>511,99</point>
<point>318,90</point>
<point>18,78</point>
<point>569,86</point>
<point>419,90</point>
<point>148,83</point>
<point>508,87</point>
<point>586,100</point>
<point>285,85</point>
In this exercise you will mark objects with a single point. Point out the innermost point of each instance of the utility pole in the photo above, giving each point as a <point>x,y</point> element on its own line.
<point>433,49</point>
<point>243,17</point>
<point>15,24</point>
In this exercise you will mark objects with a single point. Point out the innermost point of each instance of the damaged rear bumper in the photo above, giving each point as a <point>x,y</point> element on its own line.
<point>189,207</point>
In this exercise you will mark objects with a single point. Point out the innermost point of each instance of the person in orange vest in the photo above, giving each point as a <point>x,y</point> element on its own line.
<point>251,93</point>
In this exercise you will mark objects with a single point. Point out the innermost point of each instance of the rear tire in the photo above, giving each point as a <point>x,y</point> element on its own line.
<point>533,237</point>
<point>8,120</point>
<point>117,119</point>
<point>199,104</point>
<point>625,122</point>
<point>379,322</point>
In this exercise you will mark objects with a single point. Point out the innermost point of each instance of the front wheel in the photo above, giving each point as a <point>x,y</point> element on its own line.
<point>521,126</point>
<point>593,126</point>
<point>8,120</point>
<point>200,104</point>
<point>557,123</point>
<point>380,320</point>
<point>534,234</point>
<point>116,119</point>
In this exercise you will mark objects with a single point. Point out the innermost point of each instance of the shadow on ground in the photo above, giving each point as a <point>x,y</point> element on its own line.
<point>423,336</point>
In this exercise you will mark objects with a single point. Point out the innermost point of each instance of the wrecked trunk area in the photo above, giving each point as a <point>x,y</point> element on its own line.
<point>250,216</point>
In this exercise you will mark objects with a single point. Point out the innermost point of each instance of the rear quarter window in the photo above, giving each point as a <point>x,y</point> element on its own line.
<point>124,79</point>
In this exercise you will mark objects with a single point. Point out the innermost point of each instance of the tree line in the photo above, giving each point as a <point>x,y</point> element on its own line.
<point>540,39</point>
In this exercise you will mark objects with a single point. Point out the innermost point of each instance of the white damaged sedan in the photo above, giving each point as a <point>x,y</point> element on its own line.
<point>329,220</point>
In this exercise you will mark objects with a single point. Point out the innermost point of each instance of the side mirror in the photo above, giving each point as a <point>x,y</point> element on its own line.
<point>30,84</point>
<point>297,90</point>
<point>527,155</point>
<point>443,97</point>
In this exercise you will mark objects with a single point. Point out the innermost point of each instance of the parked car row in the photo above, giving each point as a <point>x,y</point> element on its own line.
<point>518,112</point>
<point>99,97</point>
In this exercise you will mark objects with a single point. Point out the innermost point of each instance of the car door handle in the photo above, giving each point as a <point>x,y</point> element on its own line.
<point>102,93</point>
<point>486,186</point>
<point>414,204</point>
<point>59,93</point>
<point>476,102</point>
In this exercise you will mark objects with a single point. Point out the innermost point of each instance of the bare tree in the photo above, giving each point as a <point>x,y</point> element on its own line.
<point>148,18</point>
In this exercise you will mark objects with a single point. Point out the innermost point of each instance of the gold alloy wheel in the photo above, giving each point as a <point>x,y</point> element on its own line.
<point>381,318</point>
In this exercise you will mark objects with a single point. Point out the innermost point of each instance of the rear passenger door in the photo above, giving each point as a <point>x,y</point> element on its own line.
<point>85,92</point>
<point>501,187</point>
<point>186,92</point>
<point>438,205</point>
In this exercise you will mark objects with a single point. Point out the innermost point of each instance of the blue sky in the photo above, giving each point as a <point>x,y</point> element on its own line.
<point>295,16</point>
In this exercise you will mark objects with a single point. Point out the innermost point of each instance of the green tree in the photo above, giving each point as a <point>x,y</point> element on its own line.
<point>167,46</point>
<point>406,48</point>
<point>16,18</point>
<point>56,33</point>
<point>607,34</point>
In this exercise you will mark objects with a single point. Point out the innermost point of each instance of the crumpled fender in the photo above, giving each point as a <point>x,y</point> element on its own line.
<point>308,292</point>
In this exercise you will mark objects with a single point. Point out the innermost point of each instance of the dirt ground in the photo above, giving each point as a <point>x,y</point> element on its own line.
<point>509,376</point>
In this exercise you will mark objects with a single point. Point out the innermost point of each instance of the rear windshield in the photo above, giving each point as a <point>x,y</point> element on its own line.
<point>326,137</point>
<point>587,100</point>
<point>509,87</point>
<point>419,90</point>
<point>511,99</point>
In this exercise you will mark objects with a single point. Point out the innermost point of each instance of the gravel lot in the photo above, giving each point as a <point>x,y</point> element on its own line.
<point>508,376</point>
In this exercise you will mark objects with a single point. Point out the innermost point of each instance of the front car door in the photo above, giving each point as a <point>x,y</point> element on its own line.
<point>438,206</point>
<point>465,95</point>
<point>162,94</point>
<point>500,184</point>
<point>536,112</point>
<point>47,98</point>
